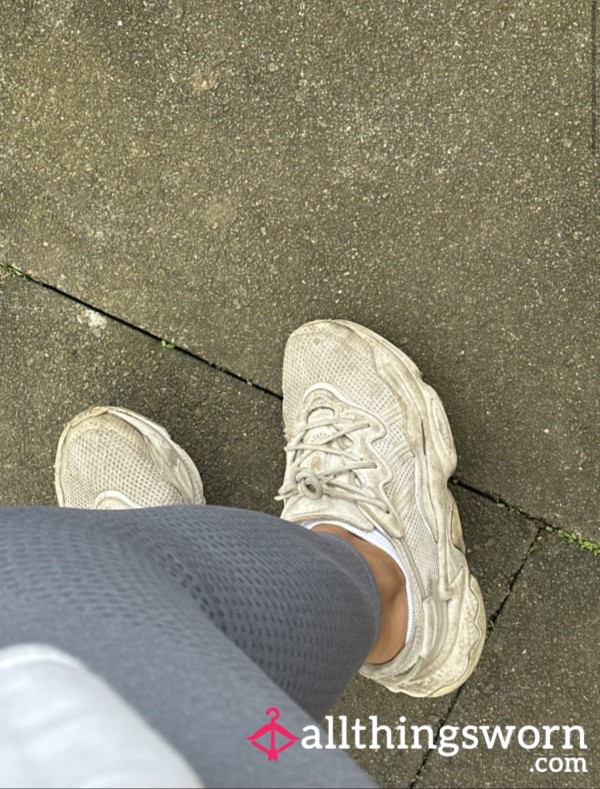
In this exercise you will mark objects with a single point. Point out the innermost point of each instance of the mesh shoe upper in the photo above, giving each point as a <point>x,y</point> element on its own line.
<point>106,462</point>
<point>332,371</point>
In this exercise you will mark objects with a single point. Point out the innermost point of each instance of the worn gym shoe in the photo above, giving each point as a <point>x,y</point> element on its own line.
<point>369,445</point>
<point>112,459</point>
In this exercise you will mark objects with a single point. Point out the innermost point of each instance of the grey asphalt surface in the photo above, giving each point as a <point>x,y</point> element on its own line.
<point>218,174</point>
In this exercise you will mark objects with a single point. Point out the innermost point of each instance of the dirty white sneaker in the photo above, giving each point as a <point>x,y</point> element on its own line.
<point>370,445</point>
<point>111,459</point>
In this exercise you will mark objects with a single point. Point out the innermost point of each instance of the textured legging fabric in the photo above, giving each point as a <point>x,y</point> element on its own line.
<point>201,618</point>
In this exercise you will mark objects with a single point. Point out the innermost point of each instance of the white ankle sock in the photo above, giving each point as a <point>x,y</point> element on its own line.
<point>377,538</point>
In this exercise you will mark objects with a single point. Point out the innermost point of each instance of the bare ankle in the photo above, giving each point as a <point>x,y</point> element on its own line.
<point>391,585</point>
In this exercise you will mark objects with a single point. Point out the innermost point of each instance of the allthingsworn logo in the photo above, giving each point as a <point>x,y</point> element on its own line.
<point>269,732</point>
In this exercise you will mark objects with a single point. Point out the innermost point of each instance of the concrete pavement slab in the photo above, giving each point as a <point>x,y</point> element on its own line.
<point>539,668</point>
<point>220,173</point>
<point>497,545</point>
<point>58,358</point>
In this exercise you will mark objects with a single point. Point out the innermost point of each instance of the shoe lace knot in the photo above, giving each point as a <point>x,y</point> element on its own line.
<point>323,461</point>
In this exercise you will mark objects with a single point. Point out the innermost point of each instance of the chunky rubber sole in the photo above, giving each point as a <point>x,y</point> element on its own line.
<point>457,608</point>
<point>189,482</point>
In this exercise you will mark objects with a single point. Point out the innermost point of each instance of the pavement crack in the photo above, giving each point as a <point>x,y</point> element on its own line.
<point>491,625</point>
<point>538,520</point>
<point>9,270</point>
<point>594,60</point>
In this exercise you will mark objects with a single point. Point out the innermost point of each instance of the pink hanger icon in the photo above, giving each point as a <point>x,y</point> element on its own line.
<point>272,728</point>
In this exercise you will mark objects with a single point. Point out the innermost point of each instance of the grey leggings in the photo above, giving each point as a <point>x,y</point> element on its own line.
<point>202,618</point>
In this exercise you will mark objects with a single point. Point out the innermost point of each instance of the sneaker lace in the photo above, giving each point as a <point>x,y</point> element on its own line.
<point>304,481</point>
